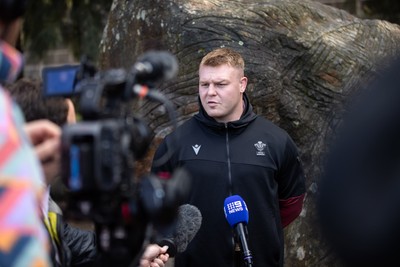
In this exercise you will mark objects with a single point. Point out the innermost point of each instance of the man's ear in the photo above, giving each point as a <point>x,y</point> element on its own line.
<point>243,84</point>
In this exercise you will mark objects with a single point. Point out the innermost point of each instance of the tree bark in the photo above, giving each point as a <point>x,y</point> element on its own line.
<point>304,61</point>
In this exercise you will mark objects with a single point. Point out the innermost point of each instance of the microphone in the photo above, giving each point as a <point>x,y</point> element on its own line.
<point>237,215</point>
<point>187,225</point>
<point>155,66</point>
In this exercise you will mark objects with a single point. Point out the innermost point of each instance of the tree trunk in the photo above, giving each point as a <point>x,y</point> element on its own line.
<point>303,60</point>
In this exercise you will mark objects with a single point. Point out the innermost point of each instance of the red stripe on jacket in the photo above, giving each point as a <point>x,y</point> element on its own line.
<point>290,209</point>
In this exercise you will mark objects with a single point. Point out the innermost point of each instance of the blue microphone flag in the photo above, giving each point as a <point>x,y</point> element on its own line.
<point>236,210</point>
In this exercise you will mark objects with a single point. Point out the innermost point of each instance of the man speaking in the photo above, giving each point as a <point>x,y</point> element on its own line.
<point>229,150</point>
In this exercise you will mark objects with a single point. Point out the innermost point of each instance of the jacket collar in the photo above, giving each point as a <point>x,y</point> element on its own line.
<point>247,116</point>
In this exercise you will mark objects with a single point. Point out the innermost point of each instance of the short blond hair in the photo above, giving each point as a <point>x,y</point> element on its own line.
<point>222,56</point>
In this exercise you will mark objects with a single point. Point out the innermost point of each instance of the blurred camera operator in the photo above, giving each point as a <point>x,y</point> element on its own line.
<point>24,239</point>
<point>74,246</point>
<point>27,93</point>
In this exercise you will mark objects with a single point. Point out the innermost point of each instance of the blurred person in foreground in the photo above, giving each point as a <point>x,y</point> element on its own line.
<point>72,246</point>
<point>359,200</point>
<point>228,150</point>
<point>24,241</point>
<point>28,94</point>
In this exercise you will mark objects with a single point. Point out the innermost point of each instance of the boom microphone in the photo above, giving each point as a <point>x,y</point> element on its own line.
<point>155,66</point>
<point>188,223</point>
<point>237,216</point>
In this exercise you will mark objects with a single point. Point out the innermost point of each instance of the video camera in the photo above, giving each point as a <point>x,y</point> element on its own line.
<point>98,153</point>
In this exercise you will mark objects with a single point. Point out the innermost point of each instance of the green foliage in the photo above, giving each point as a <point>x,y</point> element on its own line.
<point>383,9</point>
<point>74,24</point>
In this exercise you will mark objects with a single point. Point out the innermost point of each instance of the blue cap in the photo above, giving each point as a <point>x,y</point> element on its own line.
<point>236,210</point>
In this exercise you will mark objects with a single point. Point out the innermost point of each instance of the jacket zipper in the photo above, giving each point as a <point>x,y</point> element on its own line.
<point>235,246</point>
<point>230,186</point>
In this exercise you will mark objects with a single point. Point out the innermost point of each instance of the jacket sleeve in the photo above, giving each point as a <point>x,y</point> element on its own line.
<point>290,209</point>
<point>291,184</point>
<point>82,244</point>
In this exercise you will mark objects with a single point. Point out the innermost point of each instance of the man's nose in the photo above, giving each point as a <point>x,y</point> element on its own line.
<point>211,90</point>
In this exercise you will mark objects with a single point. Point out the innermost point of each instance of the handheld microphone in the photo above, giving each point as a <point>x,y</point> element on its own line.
<point>187,225</point>
<point>237,216</point>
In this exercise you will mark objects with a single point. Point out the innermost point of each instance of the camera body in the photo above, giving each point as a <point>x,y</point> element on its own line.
<point>92,154</point>
<point>99,153</point>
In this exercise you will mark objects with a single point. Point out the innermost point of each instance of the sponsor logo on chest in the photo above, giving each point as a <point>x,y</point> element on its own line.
<point>196,148</point>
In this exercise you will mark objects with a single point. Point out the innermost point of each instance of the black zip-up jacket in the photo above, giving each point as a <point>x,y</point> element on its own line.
<point>250,157</point>
<point>74,247</point>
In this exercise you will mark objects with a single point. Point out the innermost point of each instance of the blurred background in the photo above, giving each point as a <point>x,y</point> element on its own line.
<point>60,32</point>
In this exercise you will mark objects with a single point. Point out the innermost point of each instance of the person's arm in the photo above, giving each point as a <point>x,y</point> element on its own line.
<point>24,241</point>
<point>82,244</point>
<point>290,209</point>
<point>291,185</point>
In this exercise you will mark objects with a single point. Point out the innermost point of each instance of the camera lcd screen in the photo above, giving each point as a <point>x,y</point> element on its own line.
<point>59,81</point>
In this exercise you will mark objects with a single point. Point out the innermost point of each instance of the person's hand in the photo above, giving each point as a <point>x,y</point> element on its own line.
<point>154,256</point>
<point>45,137</point>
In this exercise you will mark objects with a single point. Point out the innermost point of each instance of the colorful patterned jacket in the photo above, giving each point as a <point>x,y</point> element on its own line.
<point>24,240</point>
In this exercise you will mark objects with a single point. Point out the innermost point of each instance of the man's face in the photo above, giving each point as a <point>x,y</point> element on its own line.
<point>221,89</point>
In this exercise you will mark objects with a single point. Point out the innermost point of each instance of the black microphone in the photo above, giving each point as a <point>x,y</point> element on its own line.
<point>155,66</point>
<point>237,216</point>
<point>187,225</point>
